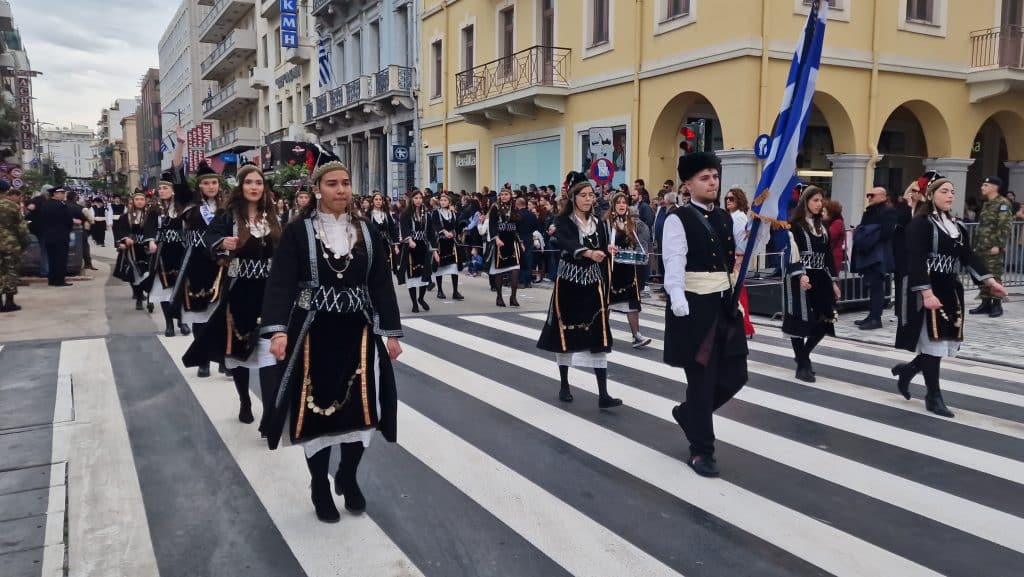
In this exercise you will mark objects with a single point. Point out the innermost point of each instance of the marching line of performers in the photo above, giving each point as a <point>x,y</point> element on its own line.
<point>310,308</point>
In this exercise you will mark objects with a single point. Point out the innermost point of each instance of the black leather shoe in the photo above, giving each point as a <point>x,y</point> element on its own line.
<point>871,325</point>
<point>184,329</point>
<point>323,501</point>
<point>703,465</point>
<point>457,296</point>
<point>169,332</point>
<point>415,307</point>
<point>204,371</point>
<point>424,305</point>
<point>904,373</point>
<point>565,395</point>
<point>138,305</point>
<point>440,295</point>
<point>861,321</point>
<point>500,302</point>
<point>608,402</point>
<point>803,373</point>
<point>996,309</point>
<point>935,404</point>
<point>983,309</point>
<point>512,302</point>
<point>149,307</point>
<point>245,414</point>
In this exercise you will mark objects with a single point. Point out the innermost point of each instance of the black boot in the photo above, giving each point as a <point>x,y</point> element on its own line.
<point>345,479</point>
<point>184,329</point>
<point>138,304</point>
<point>905,373</point>
<point>514,276</point>
<point>934,403</point>
<point>8,305</point>
<point>423,303</point>
<point>983,309</point>
<point>456,295</point>
<point>270,379</point>
<point>320,487</point>
<point>440,291</point>
<point>223,370</point>
<point>500,301</point>
<point>415,303</point>
<point>168,319</point>
<point>604,400</point>
<point>241,378</point>
<point>933,399</point>
<point>564,392</point>
<point>996,308</point>
<point>204,370</point>
<point>803,369</point>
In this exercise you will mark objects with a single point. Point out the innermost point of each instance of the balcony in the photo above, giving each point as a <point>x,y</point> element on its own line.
<point>321,7</point>
<point>297,55</point>
<point>228,101</point>
<point>222,19</point>
<point>515,85</point>
<point>6,16</point>
<point>229,55</point>
<point>260,77</point>
<point>997,62</point>
<point>235,140</point>
<point>393,80</point>
<point>270,8</point>
<point>205,2</point>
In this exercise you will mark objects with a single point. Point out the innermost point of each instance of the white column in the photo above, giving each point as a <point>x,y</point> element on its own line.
<point>373,162</point>
<point>739,168</point>
<point>850,183</point>
<point>955,169</point>
<point>1016,180</point>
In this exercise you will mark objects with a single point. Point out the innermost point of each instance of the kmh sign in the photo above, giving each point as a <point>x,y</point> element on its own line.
<point>290,23</point>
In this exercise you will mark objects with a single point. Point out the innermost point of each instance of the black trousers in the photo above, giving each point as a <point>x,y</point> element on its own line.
<point>57,259</point>
<point>875,282</point>
<point>98,232</point>
<point>704,395</point>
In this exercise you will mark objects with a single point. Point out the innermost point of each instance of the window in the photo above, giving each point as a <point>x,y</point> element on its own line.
<point>357,54</point>
<point>265,49</point>
<point>277,47</point>
<point>374,46</point>
<point>599,33</point>
<point>436,77</point>
<point>619,154</point>
<point>467,47</point>
<point>679,8</point>
<point>837,9</point>
<point>506,32</point>
<point>921,11</point>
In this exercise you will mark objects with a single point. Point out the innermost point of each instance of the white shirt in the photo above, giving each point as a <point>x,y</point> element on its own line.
<point>673,253</point>
<point>739,230</point>
<point>339,232</point>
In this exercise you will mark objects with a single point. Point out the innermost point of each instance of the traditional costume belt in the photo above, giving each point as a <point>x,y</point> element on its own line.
<point>169,235</point>
<point>943,264</point>
<point>194,238</point>
<point>580,274</point>
<point>250,268</point>
<point>334,300</point>
<point>507,227</point>
<point>705,283</point>
<point>138,238</point>
<point>813,260</point>
<point>419,235</point>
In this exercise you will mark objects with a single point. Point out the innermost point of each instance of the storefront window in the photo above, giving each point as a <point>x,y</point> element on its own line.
<point>525,163</point>
<point>435,171</point>
<point>619,144</point>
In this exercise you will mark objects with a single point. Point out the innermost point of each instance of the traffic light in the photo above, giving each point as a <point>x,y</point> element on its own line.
<point>693,134</point>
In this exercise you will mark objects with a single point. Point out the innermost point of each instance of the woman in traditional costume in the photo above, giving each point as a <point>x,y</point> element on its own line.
<point>200,279</point>
<point>414,230</point>
<point>386,227</point>
<point>165,233</point>
<point>577,329</point>
<point>503,248</point>
<point>625,274</point>
<point>331,313</point>
<point>132,264</point>
<point>810,291</point>
<point>444,225</point>
<point>243,237</point>
<point>933,324</point>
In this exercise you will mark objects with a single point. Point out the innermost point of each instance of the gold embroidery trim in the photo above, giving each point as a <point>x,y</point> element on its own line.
<point>305,388</point>
<point>363,379</point>
<point>231,329</point>
<point>604,321</point>
<point>558,315</point>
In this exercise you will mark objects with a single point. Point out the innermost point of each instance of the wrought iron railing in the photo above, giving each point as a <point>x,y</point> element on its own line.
<point>534,66</point>
<point>319,5</point>
<point>216,100</point>
<point>219,51</point>
<point>394,78</point>
<point>353,90</point>
<point>222,140</point>
<point>321,105</point>
<point>1001,47</point>
<point>309,112</point>
<point>336,97</point>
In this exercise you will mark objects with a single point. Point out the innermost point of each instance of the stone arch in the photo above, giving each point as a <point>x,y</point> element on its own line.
<point>663,146</point>
<point>1011,123</point>
<point>932,123</point>
<point>840,125</point>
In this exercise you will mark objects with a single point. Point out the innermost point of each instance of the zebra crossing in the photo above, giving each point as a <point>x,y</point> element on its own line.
<point>492,475</point>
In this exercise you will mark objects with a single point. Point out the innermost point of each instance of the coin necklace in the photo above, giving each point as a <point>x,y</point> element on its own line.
<point>329,252</point>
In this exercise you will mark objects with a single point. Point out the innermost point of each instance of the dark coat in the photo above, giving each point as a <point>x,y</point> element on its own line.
<point>872,241</point>
<point>52,220</point>
<point>528,222</point>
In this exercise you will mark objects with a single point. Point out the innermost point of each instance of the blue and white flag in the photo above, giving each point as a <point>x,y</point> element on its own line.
<point>323,53</point>
<point>771,203</point>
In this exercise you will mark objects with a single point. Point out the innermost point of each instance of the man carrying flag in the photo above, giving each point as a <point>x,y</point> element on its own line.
<point>703,327</point>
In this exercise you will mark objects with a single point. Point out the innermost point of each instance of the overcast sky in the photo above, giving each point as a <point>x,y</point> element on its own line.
<point>89,51</point>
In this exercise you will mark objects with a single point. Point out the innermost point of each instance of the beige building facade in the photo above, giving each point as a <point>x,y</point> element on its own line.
<point>126,153</point>
<point>509,90</point>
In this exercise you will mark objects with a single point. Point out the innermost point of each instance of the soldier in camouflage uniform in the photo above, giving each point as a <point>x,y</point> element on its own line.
<point>13,242</point>
<point>990,239</point>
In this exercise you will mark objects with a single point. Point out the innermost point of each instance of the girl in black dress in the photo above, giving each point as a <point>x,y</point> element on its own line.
<point>414,231</point>
<point>503,249</point>
<point>577,329</point>
<point>165,233</point>
<point>332,315</point>
<point>243,236</point>
<point>133,254</point>
<point>625,276</point>
<point>386,227</point>
<point>933,323</point>
<point>443,221</point>
<point>199,283</point>
<point>810,291</point>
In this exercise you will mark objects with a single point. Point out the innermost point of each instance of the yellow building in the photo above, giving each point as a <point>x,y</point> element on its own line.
<point>509,89</point>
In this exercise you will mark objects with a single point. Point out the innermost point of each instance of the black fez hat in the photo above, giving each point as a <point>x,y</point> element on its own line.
<point>574,178</point>
<point>167,177</point>
<point>690,164</point>
<point>204,170</point>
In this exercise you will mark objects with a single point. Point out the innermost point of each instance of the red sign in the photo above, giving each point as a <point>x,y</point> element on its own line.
<point>602,170</point>
<point>24,89</point>
<point>196,142</point>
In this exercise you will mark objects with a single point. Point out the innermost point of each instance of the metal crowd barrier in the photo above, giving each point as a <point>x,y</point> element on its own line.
<point>1013,272</point>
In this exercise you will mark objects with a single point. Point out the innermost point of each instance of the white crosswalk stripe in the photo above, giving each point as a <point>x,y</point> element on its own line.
<point>574,538</point>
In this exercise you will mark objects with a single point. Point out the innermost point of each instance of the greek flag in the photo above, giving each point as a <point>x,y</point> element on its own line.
<point>771,202</point>
<point>323,50</point>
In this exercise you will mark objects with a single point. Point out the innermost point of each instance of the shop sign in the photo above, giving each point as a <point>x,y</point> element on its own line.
<point>399,153</point>
<point>465,160</point>
<point>289,23</point>
<point>291,76</point>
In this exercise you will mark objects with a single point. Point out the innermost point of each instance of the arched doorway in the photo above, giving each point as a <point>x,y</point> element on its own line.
<point>990,154</point>
<point>689,110</point>
<point>914,131</point>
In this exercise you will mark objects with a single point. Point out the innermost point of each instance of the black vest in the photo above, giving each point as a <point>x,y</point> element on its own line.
<point>704,249</point>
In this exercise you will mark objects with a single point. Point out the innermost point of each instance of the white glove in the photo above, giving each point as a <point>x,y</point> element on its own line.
<point>681,308</point>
